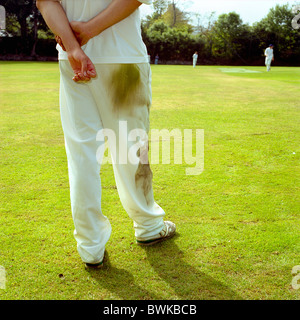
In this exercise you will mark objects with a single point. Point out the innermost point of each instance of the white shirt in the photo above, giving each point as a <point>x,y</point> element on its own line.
<point>121,43</point>
<point>269,53</point>
<point>195,56</point>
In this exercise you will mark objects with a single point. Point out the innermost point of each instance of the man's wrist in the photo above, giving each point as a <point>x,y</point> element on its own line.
<point>71,46</point>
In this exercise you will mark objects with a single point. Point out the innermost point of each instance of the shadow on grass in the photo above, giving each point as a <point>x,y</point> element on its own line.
<point>187,282</point>
<point>120,282</point>
<point>167,261</point>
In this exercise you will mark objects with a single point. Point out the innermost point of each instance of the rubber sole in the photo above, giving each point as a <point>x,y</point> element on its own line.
<point>94,265</point>
<point>152,242</point>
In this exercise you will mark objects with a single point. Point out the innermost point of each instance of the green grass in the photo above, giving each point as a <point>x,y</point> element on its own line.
<point>238,222</point>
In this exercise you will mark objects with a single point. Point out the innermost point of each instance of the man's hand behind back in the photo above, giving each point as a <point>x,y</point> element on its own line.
<point>80,31</point>
<point>82,66</point>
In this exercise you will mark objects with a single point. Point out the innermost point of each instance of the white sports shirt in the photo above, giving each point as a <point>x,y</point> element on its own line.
<point>269,53</point>
<point>121,43</point>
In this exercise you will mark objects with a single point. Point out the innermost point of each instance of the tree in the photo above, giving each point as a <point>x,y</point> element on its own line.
<point>276,28</point>
<point>160,6</point>
<point>227,33</point>
<point>21,10</point>
<point>177,18</point>
<point>171,43</point>
<point>153,37</point>
<point>205,34</point>
<point>24,20</point>
<point>168,12</point>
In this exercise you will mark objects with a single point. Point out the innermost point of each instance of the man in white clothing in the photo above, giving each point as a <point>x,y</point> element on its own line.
<point>269,57</point>
<point>195,58</point>
<point>105,81</point>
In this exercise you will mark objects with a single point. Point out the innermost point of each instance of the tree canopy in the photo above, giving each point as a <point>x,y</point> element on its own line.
<point>174,33</point>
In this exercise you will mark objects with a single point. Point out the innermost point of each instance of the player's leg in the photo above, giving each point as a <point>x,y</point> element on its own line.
<point>126,109</point>
<point>81,122</point>
<point>268,64</point>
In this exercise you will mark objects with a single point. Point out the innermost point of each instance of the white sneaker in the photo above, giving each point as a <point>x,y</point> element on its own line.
<point>167,232</point>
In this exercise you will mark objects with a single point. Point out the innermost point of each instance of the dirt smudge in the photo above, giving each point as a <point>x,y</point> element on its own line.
<point>143,176</point>
<point>127,88</point>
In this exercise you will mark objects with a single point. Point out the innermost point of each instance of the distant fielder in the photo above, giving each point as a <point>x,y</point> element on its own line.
<point>195,58</point>
<point>269,56</point>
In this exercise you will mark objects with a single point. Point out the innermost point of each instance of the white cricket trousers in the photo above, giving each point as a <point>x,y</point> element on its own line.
<point>121,92</point>
<point>268,63</point>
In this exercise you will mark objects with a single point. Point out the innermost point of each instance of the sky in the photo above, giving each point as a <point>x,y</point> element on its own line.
<point>249,10</point>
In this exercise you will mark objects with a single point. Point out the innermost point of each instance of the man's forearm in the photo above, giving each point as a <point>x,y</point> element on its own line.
<point>116,11</point>
<point>56,19</point>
